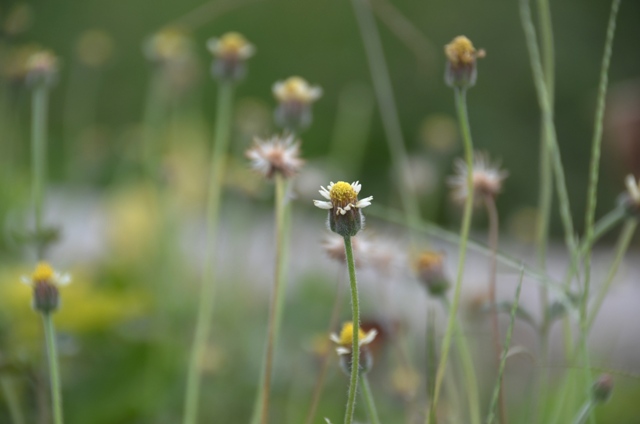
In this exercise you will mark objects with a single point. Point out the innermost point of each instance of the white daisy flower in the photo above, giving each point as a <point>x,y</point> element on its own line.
<point>277,154</point>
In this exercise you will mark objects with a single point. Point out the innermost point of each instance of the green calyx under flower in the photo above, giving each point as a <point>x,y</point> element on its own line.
<point>45,282</point>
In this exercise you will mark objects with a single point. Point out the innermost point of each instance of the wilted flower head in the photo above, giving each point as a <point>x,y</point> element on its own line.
<point>42,68</point>
<point>631,199</point>
<point>45,282</point>
<point>231,52</point>
<point>278,154</point>
<point>487,179</point>
<point>429,267</point>
<point>461,62</point>
<point>295,97</point>
<point>344,340</point>
<point>344,207</point>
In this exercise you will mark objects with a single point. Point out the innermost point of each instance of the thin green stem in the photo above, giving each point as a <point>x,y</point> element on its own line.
<point>13,401</point>
<point>466,360</point>
<point>430,339</point>
<point>39,160</point>
<point>275,297</point>
<point>386,103</point>
<point>622,245</point>
<point>494,224</point>
<point>54,373</point>
<point>460,96</point>
<point>584,412</point>
<point>205,307</point>
<point>593,181</point>
<point>505,353</point>
<point>368,399</point>
<point>355,347</point>
<point>544,102</point>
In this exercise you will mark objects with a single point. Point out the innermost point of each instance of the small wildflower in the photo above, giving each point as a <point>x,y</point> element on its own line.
<point>487,179</point>
<point>343,198</point>
<point>277,154</point>
<point>631,199</point>
<point>344,340</point>
<point>45,282</point>
<point>461,62</point>
<point>168,46</point>
<point>602,388</point>
<point>295,97</point>
<point>230,52</point>
<point>430,271</point>
<point>42,68</point>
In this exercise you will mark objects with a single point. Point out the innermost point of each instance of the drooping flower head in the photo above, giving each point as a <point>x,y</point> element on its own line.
<point>429,267</point>
<point>344,340</point>
<point>344,207</point>
<point>295,97</point>
<point>45,282</point>
<point>230,52</point>
<point>279,154</point>
<point>461,62</point>
<point>487,179</point>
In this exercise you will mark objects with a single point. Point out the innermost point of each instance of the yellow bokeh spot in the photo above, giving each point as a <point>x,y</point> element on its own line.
<point>346,335</point>
<point>460,51</point>
<point>343,193</point>
<point>43,272</point>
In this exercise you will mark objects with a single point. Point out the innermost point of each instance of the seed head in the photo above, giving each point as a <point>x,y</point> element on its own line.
<point>487,179</point>
<point>461,62</point>
<point>278,154</point>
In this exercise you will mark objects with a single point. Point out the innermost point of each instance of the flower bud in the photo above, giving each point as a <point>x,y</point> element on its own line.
<point>45,281</point>
<point>430,272</point>
<point>602,388</point>
<point>295,97</point>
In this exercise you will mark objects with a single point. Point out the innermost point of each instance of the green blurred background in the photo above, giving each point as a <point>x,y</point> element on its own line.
<point>119,365</point>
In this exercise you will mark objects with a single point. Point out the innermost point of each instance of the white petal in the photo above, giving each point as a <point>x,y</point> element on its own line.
<point>368,338</point>
<point>343,351</point>
<point>632,188</point>
<point>341,211</point>
<point>356,186</point>
<point>63,279</point>
<point>325,193</point>
<point>315,93</point>
<point>278,89</point>
<point>26,280</point>
<point>334,338</point>
<point>363,203</point>
<point>348,207</point>
<point>322,205</point>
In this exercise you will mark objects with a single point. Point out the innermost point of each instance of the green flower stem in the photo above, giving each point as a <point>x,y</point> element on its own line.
<point>275,297</point>
<point>460,96</point>
<point>13,402</point>
<point>54,374</point>
<point>205,307</point>
<point>368,399</point>
<point>355,347</point>
<point>494,225</point>
<point>544,101</point>
<point>584,412</point>
<point>386,103</point>
<point>623,244</point>
<point>430,339</point>
<point>40,109</point>
<point>505,352</point>
<point>466,360</point>
<point>593,182</point>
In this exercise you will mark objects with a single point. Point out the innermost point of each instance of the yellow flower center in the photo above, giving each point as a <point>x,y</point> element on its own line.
<point>460,51</point>
<point>343,193</point>
<point>43,272</point>
<point>346,335</point>
<point>429,260</point>
<point>232,42</point>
